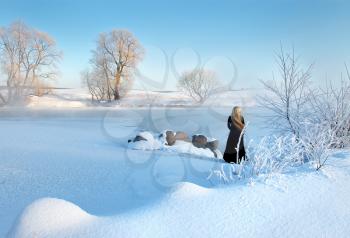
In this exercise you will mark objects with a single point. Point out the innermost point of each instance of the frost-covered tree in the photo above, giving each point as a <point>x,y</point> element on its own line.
<point>28,61</point>
<point>96,84</point>
<point>114,62</point>
<point>199,84</point>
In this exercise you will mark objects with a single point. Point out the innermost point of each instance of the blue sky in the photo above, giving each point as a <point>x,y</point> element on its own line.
<point>177,33</point>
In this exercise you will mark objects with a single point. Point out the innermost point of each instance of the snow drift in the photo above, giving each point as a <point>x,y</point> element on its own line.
<point>300,205</point>
<point>48,215</point>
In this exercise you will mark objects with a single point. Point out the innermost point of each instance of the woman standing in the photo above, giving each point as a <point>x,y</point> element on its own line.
<point>235,123</point>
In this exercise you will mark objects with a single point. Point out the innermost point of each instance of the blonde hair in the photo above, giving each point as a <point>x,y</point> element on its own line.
<point>236,117</point>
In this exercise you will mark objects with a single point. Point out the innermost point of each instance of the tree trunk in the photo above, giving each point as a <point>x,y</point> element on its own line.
<point>109,88</point>
<point>108,92</point>
<point>2,99</point>
<point>9,91</point>
<point>116,86</point>
<point>116,94</point>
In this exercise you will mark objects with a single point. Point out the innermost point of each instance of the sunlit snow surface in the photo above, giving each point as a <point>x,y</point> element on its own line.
<point>71,173</point>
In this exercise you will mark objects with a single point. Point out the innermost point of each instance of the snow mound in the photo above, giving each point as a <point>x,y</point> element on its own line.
<point>156,142</point>
<point>48,215</point>
<point>186,190</point>
<point>50,101</point>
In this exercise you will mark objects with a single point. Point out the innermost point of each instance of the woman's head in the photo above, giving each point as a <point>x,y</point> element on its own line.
<point>236,117</point>
<point>236,112</point>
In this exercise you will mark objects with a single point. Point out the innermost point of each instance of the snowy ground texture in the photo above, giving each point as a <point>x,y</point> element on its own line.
<point>71,173</point>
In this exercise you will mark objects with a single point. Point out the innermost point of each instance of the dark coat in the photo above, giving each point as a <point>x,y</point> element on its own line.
<point>233,138</point>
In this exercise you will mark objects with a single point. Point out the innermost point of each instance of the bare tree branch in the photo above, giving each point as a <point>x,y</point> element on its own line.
<point>288,96</point>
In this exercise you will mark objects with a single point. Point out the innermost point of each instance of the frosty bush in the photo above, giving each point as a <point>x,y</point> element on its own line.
<point>277,154</point>
<point>317,141</point>
<point>331,106</point>
<point>269,156</point>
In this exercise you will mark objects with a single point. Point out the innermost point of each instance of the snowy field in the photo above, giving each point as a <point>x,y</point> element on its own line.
<point>70,173</point>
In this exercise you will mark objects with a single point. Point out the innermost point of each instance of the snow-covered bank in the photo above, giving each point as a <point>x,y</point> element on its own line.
<point>80,98</point>
<point>307,204</point>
